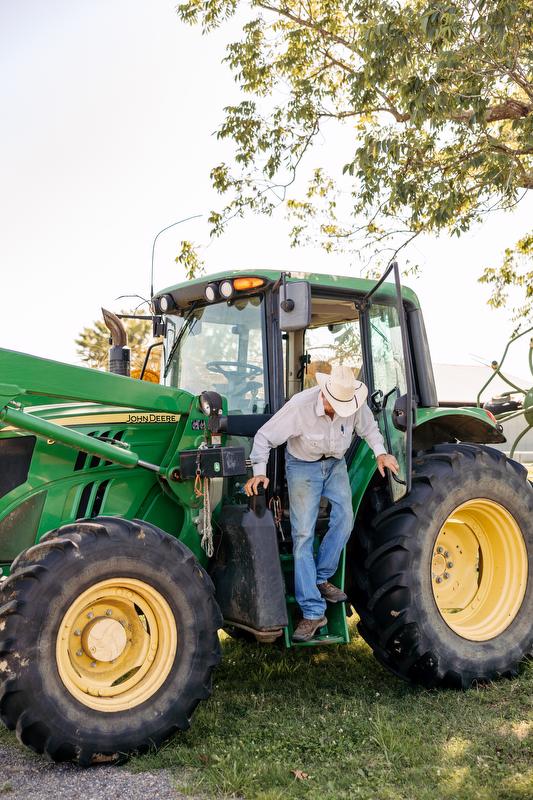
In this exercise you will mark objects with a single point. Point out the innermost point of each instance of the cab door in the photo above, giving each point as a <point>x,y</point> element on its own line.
<point>387,355</point>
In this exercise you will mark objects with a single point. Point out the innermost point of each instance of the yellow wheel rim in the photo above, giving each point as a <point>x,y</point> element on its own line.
<point>116,644</point>
<point>479,569</point>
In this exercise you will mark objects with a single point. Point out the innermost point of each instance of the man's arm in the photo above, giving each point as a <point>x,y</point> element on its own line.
<point>284,423</point>
<point>367,427</point>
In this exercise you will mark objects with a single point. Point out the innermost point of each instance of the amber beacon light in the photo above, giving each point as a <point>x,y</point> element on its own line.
<point>241,284</point>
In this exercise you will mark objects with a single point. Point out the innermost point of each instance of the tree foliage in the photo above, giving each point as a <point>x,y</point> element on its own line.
<point>93,344</point>
<point>189,259</point>
<point>438,97</point>
<point>516,270</point>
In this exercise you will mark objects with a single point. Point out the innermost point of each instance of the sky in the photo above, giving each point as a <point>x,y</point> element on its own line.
<point>109,109</point>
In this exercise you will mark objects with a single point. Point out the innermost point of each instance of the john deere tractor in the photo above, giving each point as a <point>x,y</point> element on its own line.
<point>127,542</point>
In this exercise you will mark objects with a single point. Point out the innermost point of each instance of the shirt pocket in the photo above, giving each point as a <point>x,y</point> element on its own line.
<point>314,442</point>
<point>343,437</point>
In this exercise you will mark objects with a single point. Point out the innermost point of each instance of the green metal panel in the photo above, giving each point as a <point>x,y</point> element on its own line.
<point>425,414</point>
<point>46,378</point>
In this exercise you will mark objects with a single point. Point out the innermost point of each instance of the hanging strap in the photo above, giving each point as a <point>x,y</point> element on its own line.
<point>277,512</point>
<point>206,542</point>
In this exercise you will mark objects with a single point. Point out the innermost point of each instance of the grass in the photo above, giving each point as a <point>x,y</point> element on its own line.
<point>355,730</point>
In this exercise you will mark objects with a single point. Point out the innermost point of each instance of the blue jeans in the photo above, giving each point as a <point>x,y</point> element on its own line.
<point>307,482</point>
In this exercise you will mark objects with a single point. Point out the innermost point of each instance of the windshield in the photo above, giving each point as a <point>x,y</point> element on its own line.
<point>220,348</point>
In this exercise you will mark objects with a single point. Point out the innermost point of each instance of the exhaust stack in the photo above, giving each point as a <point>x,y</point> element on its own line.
<point>119,352</point>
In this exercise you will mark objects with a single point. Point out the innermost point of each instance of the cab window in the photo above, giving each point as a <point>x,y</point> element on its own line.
<point>330,345</point>
<point>388,365</point>
<point>220,347</point>
<point>333,338</point>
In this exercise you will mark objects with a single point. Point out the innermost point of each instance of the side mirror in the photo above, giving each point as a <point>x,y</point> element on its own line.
<point>294,306</point>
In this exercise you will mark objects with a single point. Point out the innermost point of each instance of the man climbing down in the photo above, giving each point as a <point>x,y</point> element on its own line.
<point>318,425</point>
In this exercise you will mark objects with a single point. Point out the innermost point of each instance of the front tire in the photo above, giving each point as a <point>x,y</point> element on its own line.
<point>108,638</point>
<point>443,580</point>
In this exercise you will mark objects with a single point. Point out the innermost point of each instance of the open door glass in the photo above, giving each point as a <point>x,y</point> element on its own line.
<point>392,384</point>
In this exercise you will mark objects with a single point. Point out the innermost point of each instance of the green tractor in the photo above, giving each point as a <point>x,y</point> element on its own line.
<point>127,541</point>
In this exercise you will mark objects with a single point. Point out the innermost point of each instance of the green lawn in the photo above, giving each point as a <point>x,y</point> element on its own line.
<point>354,729</point>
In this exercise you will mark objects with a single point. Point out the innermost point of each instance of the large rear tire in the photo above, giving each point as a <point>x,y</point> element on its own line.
<point>443,580</point>
<point>108,638</point>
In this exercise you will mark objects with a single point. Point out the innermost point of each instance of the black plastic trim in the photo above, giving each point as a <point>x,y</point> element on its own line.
<point>15,458</point>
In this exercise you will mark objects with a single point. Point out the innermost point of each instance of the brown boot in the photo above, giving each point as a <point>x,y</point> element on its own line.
<point>331,593</point>
<point>307,628</point>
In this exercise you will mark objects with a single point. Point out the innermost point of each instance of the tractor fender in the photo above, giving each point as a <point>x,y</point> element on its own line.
<point>442,425</point>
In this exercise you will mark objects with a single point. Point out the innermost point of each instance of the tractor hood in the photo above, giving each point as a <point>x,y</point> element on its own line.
<point>29,380</point>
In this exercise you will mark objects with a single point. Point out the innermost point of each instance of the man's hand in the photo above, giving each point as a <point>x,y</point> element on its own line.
<point>387,461</point>
<point>252,485</point>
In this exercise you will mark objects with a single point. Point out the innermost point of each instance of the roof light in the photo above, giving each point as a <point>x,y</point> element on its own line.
<point>166,303</point>
<point>226,289</point>
<point>211,292</point>
<point>241,284</point>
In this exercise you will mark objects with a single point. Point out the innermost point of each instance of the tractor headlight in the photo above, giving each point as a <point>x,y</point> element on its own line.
<point>205,405</point>
<point>210,404</point>
<point>211,292</point>
<point>166,303</point>
<point>226,289</point>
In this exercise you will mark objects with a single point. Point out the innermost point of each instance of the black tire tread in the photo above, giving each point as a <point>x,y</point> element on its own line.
<point>381,561</point>
<point>38,564</point>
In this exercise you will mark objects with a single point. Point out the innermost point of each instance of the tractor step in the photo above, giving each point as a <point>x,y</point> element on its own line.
<point>336,631</point>
<point>321,639</point>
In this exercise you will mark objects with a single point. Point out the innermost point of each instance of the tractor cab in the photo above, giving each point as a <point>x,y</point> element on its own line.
<point>257,340</point>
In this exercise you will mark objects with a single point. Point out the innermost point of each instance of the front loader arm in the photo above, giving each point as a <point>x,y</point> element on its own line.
<point>58,433</point>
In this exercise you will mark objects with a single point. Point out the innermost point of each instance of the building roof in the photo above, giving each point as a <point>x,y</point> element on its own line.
<point>460,383</point>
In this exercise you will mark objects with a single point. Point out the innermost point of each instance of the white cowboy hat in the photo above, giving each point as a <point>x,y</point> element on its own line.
<point>342,390</point>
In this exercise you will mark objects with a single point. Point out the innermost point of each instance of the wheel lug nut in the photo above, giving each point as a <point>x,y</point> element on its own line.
<point>77,632</point>
<point>93,663</point>
<point>438,579</point>
<point>440,549</point>
<point>446,575</point>
<point>446,554</point>
<point>90,615</point>
<point>109,613</point>
<point>450,564</point>
<point>79,653</point>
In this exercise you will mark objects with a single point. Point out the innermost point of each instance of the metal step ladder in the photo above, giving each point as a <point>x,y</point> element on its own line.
<point>336,630</point>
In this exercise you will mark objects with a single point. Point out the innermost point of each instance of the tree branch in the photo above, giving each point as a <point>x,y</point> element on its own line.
<point>308,24</point>
<point>510,109</point>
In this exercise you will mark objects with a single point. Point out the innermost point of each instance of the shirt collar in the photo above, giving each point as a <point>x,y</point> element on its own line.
<point>319,408</point>
<point>319,405</point>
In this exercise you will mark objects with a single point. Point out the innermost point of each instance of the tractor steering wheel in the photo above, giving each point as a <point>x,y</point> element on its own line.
<point>234,369</point>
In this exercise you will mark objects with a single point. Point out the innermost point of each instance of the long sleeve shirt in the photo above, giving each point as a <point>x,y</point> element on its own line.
<point>310,433</point>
